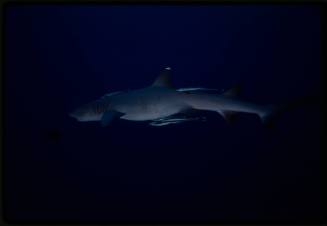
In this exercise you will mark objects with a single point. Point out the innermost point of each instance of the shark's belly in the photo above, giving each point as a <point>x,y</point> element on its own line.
<point>144,109</point>
<point>149,104</point>
<point>152,112</point>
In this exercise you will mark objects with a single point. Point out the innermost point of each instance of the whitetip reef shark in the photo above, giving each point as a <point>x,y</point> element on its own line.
<point>161,104</point>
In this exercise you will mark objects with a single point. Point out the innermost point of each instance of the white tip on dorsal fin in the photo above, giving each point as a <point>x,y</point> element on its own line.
<point>233,91</point>
<point>163,79</point>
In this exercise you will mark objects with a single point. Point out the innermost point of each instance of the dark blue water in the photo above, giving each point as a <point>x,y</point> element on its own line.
<point>60,57</point>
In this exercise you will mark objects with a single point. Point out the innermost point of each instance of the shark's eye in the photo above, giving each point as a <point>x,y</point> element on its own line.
<point>98,108</point>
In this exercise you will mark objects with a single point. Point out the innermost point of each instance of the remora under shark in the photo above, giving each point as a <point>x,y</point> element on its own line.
<point>160,102</point>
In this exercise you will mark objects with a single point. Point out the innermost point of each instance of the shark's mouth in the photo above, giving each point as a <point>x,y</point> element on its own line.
<point>175,120</point>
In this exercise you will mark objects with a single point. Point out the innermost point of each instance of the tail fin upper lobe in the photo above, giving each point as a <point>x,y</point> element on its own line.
<point>272,112</point>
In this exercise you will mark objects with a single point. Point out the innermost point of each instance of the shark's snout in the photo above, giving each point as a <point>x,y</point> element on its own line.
<point>77,114</point>
<point>85,113</point>
<point>73,114</point>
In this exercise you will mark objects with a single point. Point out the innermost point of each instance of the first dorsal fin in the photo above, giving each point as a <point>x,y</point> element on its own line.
<point>164,79</point>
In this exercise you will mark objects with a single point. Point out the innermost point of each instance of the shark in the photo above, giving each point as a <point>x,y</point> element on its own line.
<point>162,104</point>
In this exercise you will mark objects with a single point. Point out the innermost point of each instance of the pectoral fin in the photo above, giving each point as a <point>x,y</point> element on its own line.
<point>109,116</point>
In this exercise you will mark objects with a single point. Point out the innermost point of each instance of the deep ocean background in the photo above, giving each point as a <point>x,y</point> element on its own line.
<point>58,57</point>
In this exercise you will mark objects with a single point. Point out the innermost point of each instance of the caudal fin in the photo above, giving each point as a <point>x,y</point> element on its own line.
<point>272,112</point>
<point>269,115</point>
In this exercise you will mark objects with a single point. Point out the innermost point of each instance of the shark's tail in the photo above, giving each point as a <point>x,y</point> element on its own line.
<point>272,112</point>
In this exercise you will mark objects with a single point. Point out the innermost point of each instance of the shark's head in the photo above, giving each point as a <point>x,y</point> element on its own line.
<point>90,112</point>
<point>94,110</point>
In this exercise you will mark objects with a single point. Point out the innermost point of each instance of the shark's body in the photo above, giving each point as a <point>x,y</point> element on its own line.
<point>160,102</point>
